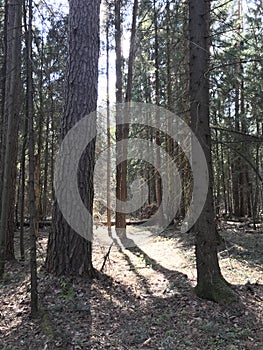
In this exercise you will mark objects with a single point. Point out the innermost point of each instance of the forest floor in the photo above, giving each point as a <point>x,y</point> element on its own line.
<point>143,300</point>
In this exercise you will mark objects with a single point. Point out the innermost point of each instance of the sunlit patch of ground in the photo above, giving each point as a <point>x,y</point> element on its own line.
<point>143,300</point>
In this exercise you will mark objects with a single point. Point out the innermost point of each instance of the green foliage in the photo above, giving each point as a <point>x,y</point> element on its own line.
<point>235,105</point>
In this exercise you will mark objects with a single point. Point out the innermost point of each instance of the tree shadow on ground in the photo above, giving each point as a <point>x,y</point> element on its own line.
<point>245,247</point>
<point>174,277</point>
<point>64,320</point>
<point>213,316</point>
<point>170,322</point>
<point>107,313</point>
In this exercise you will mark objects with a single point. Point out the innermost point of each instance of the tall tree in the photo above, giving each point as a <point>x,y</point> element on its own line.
<point>132,52</point>
<point>11,115</point>
<point>32,196</point>
<point>108,116</point>
<point>68,252</point>
<point>157,101</point>
<point>121,129</point>
<point>210,282</point>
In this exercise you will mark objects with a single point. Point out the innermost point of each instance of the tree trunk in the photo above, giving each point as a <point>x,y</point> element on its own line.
<point>22,195</point>
<point>3,115</point>
<point>38,164</point>
<point>46,158</point>
<point>37,189</point>
<point>225,187</point>
<point>108,120</point>
<point>32,198</point>
<point>210,282</point>
<point>12,88</point>
<point>184,164</point>
<point>131,53</point>
<point>68,252</point>
<point>121,130</point>
<point>157,101</point>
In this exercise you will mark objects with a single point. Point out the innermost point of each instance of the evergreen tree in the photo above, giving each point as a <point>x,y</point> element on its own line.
<point>69,253</point>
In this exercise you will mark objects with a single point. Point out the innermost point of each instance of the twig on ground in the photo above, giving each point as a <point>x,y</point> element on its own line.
<point>105,258</point>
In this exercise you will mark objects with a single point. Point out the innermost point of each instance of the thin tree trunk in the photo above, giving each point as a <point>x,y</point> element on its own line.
<point>225,187</point>
<point>52,158</point>
<point>22,195</point>
<point>108,121</point>
<point>132,52</point>
<point>122,131</point>
<point>256,196</point>
<point>157,97</point>
<point>229,185</point>
<point>121,167</point>
<point>237,186</point>
<point>46,157</point>
<point>3,114</point>
<point>186,170</point>
<point>38,184</point>
<point>32,198</point>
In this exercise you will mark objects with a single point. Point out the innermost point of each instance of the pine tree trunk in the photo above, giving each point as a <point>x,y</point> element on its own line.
<point>31,187</point>
<point>131,53</point>
<point>210,282</point>
<point>22,190</point>
<point>46,162</point>
<point>11,108</point>
<point>68,252</point>
<point>15,15</point>
<point>121,131</point>
<point>3,114</point>
<point>157,101</point>
<point>108,120</point>
<point>224,185</point>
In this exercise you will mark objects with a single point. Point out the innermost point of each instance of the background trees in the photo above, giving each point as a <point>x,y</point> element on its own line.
<point>231,109</point>
<point>159,61</point>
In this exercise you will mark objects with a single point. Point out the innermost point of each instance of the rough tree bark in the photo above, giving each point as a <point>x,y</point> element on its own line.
<point>12,88</point>
<point>108,119</point>
<point>32,197</point>
<point>157,101</point>
<point>121,130</point>
<point>14,24</point>
<point>69,253</point>
<point>210,282</point>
